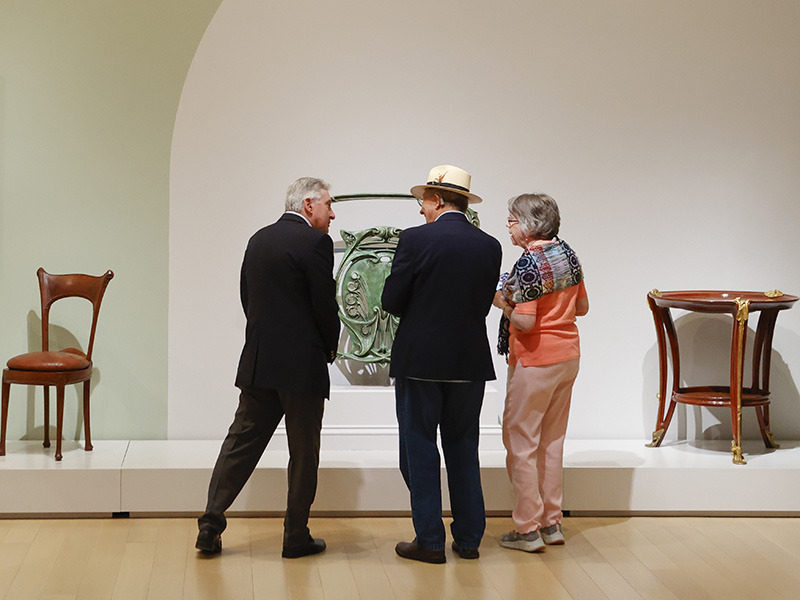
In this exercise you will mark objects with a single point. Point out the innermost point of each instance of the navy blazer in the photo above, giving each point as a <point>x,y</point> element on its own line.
<point>442,283</point>
<point>289,298</point>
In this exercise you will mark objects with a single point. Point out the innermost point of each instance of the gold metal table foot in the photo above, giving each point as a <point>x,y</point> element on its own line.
<point>771,443</point>
<point>657,435</point>
<point>736,450</point>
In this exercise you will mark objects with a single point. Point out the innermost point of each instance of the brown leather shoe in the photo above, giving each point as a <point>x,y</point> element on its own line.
<point>412,551</point>
<point>467,553</point>
<point>208,541</point>
<point>312,546</point>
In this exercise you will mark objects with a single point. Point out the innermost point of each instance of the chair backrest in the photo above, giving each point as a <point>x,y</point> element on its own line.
<point>56,287</point>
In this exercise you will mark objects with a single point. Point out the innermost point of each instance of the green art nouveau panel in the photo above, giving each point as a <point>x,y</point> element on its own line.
<point>365,265</point>
<point>364,269</point>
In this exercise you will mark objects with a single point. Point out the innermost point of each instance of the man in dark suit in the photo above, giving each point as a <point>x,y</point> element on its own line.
<point>442,282</point>
<point>289,298</point>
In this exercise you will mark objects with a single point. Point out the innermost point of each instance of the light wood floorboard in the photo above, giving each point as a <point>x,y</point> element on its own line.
<point>650,558</point>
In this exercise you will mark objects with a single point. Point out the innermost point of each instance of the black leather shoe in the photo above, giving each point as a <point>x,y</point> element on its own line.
<point>312,546</point>
<point>208,541</point>
<point>467,553</point>
<point>414,552</point>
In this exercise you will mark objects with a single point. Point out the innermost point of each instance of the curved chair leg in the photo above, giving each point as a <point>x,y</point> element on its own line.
<point>46,416</point>
<point>59,417</point>
<point>86,427</point>
<point>4,417</point>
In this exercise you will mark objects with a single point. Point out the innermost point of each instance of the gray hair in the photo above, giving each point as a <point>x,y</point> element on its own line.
<point>537,214</point>
<point>454,198</point>
<point>305,187</point>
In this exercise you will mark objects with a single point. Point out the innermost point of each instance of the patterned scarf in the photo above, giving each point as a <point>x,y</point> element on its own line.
<point>546,268</point>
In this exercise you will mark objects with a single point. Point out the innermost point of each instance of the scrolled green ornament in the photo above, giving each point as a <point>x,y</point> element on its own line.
<point>366,264</point>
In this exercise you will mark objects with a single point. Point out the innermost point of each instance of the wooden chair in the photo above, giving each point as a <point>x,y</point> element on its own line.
<point>60,368</point>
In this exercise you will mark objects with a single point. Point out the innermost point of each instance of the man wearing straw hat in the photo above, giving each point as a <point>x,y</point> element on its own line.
<point>441,286</point>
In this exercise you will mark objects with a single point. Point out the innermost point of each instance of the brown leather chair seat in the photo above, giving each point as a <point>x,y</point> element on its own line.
<point>66,360</point>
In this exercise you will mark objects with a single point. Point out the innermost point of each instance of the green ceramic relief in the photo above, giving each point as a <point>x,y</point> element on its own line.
<point>366,263</point>
<point>365,266</point>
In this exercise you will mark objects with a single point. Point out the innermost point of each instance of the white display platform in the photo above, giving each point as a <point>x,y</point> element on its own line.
<point>32,482</point>
<point>363,418</point>
<point>600,477</point>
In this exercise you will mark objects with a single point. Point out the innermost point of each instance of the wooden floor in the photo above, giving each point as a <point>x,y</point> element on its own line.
<point>617,558</point>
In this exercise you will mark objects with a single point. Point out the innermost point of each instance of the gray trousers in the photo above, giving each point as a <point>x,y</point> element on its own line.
<point>259,413</point>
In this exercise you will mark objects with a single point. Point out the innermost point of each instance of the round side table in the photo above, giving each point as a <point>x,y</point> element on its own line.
<point>734,396</point>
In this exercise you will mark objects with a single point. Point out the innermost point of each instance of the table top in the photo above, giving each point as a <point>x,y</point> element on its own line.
<point>723,301</point>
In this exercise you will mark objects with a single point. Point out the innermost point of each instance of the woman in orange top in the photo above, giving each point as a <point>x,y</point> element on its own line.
<point>540,300</point>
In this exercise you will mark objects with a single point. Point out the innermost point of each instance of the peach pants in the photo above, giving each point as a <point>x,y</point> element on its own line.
<point>534,427</point>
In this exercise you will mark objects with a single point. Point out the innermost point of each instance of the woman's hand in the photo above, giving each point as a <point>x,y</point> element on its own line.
<point>498,299</point>
<point>522,322</point>
<point>500,302</point>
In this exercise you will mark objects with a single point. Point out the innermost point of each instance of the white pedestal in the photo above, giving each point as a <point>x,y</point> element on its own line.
<point>600,477</point>
<point>363,418</point>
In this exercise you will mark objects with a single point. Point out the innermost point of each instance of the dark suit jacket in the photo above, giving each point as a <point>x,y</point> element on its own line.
<point>441,286</point>
<point>289,299</point>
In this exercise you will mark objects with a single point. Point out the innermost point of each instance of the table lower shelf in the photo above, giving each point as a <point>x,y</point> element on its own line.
<point>712,395</point>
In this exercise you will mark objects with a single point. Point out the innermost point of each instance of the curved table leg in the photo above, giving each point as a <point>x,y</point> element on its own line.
<point>768,319</point>
<point>661,423</point>
<point>737,366</point>
<point>672,336</point>
<point>762,414</point>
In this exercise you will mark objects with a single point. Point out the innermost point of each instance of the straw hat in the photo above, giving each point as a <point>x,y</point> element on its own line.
<point>450,178</point>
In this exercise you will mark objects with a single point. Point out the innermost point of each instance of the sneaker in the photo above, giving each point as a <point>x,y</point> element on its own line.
<point>527,542</point>
<point>552,535</point>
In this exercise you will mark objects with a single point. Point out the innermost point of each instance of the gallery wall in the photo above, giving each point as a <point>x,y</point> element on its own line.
<point>668,133</point>
<point>88,96</point>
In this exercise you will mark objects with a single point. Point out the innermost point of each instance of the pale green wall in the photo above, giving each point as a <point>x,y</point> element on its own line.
<point>88,96</point>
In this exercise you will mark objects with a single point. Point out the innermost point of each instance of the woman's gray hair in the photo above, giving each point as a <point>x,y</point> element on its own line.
<point>305,187</point>
<point>537,214</point>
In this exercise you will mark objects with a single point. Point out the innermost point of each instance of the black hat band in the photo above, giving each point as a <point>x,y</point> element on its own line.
<point>448,185</point>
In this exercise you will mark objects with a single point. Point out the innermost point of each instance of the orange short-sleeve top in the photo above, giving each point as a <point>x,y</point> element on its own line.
<point>554,338</point>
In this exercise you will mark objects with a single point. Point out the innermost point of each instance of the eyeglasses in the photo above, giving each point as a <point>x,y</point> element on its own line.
<point>421,199</point>
<point>511,221</point>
